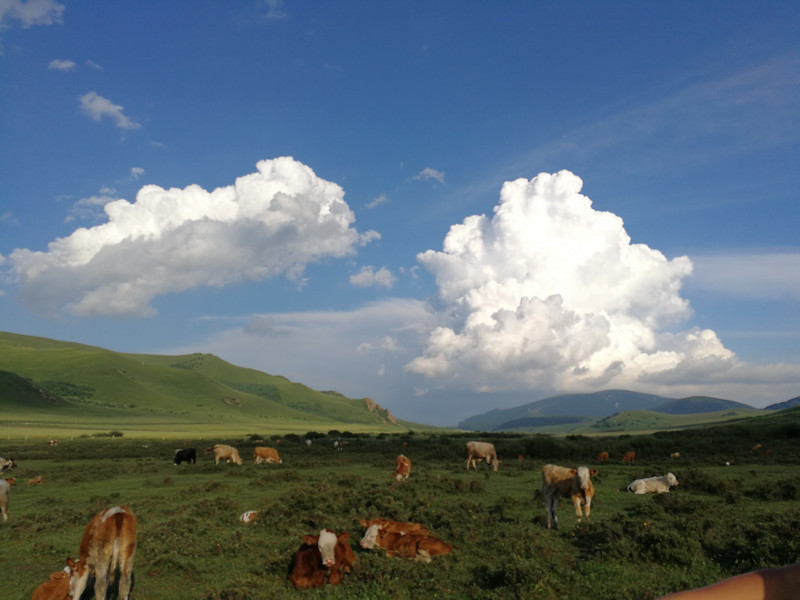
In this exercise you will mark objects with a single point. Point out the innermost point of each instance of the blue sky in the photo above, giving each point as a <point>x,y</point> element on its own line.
<point>447,207</point>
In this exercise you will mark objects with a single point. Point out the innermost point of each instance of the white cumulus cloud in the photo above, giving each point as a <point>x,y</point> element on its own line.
<point>551,293</point>
<point>267,223</point>
<point>98,107</point>
<point>368,277</point>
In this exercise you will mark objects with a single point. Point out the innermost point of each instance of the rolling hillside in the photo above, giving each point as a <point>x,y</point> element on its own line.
<point>88,388</point>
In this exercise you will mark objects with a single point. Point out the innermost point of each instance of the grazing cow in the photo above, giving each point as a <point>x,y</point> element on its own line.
<point>629,457</point>
<point>55,588</point>
<point>321,554</point>
<point>52,443</point>
<point>561,482</point>
<point>308,443</point>
<point>248,516</point>
<point>477,451</point>
<point>228,453</point>
<point>675,455</point>
<point>602,456</point>
<point>38,480</point>
<point>265,454</point>
<point>402,468</point>
<point>108,546</point>
<point>4,489</point>
<point>658,485</point>
<point>6,463</point>
<point>188,455</point>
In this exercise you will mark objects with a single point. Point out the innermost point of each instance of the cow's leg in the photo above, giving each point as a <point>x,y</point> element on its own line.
<point>576,502</point>
<point>101,581</point>
<point>551,504</point>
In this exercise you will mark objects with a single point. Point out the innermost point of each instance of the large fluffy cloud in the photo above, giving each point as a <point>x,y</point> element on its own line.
<point>271,222</point>
<point>551,293</point>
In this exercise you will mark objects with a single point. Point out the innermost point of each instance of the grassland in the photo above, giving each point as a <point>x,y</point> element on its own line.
<point>719,521</point>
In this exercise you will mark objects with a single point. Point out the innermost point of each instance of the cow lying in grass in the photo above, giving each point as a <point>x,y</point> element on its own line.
<point>397,539</point>
<point>395,526</point>
<point>55,588</point>
<point>561,482</point>
<point>649,485</point>
<point>319,555</point>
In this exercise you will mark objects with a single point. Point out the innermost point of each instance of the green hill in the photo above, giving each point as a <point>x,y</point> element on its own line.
<point>48,383</point>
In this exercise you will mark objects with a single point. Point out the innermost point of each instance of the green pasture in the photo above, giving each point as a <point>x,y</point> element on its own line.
<point>719,521</point>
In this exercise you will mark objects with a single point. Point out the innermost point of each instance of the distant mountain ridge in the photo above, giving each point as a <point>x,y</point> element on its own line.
<point>781,405</point>
<point>572,411</point>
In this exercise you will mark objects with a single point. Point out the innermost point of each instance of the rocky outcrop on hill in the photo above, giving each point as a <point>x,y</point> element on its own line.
<point>377,409</point>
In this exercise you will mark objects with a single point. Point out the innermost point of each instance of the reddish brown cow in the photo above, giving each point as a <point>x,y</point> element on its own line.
<point>266,454</point>
<point>629,457</point>
<point>398,526</point>
<point>108,546</point>
<point>38,480</point>
<point>321,554</point>
<point>402,468</point>
<point>602,456</point>
<point>56,588</point>
<point>413,546</point>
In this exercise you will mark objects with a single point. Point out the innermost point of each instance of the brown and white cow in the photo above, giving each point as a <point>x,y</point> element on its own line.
<point>5,488</point>
<point>265,454</point>
<point>396,526</point>
<point>6,463</point>
<point>477,451</point>
<point>562,482</point>
<point>55,588</point>
<point>107,547</point>
<point>414,546</point>
<point>225,452</point>
<point>629,457</point>
<point>319,555</point>
<point>402,468</point>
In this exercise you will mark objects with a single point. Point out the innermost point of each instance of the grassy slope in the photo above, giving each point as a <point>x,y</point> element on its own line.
<point>162,394</point>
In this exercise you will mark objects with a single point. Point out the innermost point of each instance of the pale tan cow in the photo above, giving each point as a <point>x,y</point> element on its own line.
<point>266,455</point>
<point>228,453</point>
<point>38,480</point>
<point>562,482</point>
<point>402,468</point>
<point>108,546</point>
<point>477,451</point>
<point>5,488</point>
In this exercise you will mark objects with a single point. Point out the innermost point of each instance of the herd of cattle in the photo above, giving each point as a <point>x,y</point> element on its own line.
<point>109,541</point>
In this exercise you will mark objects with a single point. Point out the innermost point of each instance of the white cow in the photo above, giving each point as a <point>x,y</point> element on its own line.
<point>658,485</point>
<point>562,482</point>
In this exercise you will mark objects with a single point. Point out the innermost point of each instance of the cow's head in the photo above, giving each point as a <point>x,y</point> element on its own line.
<point>326,542</point>
<point>78,573</point>
<point>671,479</point>
<point>583,474</point>
<point>494,462</point>
<point>370,537</point>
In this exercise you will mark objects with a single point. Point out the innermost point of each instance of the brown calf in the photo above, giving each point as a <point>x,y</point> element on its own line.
<point>56,588</point>
<point>319,555</point>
